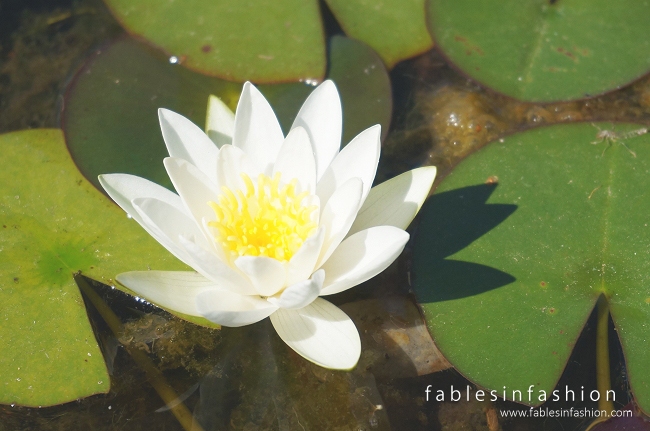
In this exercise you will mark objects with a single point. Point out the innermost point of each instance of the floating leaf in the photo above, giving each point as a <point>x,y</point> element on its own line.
<point>110,118</point>
<point>254,40</point>
<point>519,242</point>
<point>545,50</point>
<point>363,84</point>
<point>371,22</point>
<point>55,224</point>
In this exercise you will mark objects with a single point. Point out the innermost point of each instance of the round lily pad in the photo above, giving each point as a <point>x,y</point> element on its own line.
<point>403,21</point>
<point>545,50</point>
<point>520,241</point>
<point>110,120</point>
<point>256,40</point>
<point>56,224</point>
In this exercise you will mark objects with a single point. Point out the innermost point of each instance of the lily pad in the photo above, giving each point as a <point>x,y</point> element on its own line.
<point>254,40</point>
<point>545,50</point>
<point>364,85</point>
<point>520,241</point>
<point>110,119</point>
<point>56,224</point>
<point>403,20</point>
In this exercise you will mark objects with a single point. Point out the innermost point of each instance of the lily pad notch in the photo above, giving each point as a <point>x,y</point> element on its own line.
<point>533,273</point>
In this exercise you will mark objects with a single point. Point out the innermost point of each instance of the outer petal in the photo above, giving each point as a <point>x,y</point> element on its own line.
<point>338,215</point>
<point>186,140</point>
<point>321,333</point>
<point>300,294</point>
<point>230,309</point>
<point>174,290</point>
<point>395,202</point>
<point>166,225</point>
<point>358,159</point>
<point>194,187</point>
<point>321,117</point>
<point>362,256</point>
<point>123,188</point>
<point>267,274</point>
<point>296,160</point>
<point>257,131</point>
<point>213,268</point>
<point>171,222</point>
<point>219,122</point>
<point>303,262</point>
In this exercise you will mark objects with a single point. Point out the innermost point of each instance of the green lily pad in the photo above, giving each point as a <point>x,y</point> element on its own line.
<point>256,40</point>
<point>519,242</point>
<point>110,115</point>
<point>110,120</point>
<point>364,85</point>
<point>370,22</point>
<point>545,50</point>
<point>56,224</point>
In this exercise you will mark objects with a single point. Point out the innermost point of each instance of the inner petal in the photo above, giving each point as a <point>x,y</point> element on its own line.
<point>269,218</point>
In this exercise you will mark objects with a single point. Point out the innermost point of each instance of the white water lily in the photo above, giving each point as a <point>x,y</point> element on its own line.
<point>271,223</point>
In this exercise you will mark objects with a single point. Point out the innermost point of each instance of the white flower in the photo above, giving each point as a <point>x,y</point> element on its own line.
<point>271,223</point>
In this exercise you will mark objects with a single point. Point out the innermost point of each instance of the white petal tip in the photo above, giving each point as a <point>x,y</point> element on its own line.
<point>321,333</point>
<point>376,128</point>
<point>428,173</point>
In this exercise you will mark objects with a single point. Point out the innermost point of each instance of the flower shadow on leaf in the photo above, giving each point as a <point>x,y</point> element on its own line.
<point>450,222</point>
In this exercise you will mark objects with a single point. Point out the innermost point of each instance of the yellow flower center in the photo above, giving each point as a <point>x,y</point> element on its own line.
<point>266,220</point>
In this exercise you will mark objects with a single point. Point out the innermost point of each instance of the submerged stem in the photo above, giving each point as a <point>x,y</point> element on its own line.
<point>155,377</point>
<point>603,379</point>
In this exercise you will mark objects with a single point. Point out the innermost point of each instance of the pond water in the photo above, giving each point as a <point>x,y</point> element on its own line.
<point>247,378</point>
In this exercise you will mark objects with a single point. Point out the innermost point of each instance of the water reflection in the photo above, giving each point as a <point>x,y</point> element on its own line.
<point>261,384</point>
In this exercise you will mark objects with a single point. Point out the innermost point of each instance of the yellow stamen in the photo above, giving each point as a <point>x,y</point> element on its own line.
<point>266,219</point>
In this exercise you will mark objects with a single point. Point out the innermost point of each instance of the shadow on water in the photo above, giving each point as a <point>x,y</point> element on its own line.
<point>450,222</point>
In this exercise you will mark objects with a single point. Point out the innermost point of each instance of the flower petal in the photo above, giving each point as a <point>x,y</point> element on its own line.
<point>166,224</point>
<point>321,117</point>
<point>213,268</point>
<point>321,333</point>
<point>300,294</point>
<point>395,202</point>
<point>123,188</point>
<point>231,163</point>
<point>193,186</point>
<point>219,122</point>
<point>186,140</point>
<point>358,159</point>
<point>338,215</point>
<point>267,274</point>
<point>231,309</point>
<point>257,131</point>
<point>217,247</point>
<point>296,160</point>
<point>313,200</point>
<point>174,290</point>
<point>362,256</point>
<point>303,262</point>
